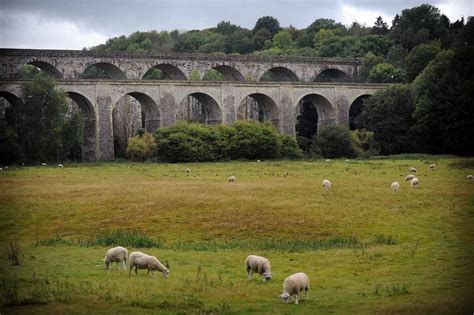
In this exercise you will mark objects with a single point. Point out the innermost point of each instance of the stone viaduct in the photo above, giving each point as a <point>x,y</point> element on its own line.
<point>278,96</point>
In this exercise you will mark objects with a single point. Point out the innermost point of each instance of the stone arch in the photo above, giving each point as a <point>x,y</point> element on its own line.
<point>228,73</point>
<point>89,145</point>
<point>47,68</point>
<point>112,72</point>
<point>7,106</point>
<point>332,75</point>
<point>355,110</point>
<point>326,114</point>
<point>132,111</point>
<point>201,108</point>
<point>260,107</point>
<point>279,74</point>
<point>169,72</point>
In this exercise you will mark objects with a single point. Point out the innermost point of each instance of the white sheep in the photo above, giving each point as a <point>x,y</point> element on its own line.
<point>326,184</point>
<point>412,170</point>
<point>116,254</point>
<point>6,167</point>
<point>231,179</point>
<point>188,170</point>
<point>328,160</point>
<point>395,186</point>
<point>414,182</point>
<point>60,165</point>
<point>140,260</point>
<point>44,164</point>
<point>293,285</point>
<point>347,160</point>
<point>258,161</point>
<point>432,167</point>
<point>469,177</point>
<point>260,265</point>
<point>409,177</point>
<point>1,169</point>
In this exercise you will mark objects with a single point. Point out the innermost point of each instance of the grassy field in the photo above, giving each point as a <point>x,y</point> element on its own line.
<point>365,249</point>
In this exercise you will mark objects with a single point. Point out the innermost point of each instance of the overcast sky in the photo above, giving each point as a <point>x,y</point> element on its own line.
<point>74,24</point>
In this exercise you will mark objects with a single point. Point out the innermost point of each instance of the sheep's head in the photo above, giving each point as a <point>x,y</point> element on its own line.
<point>267,276</point>
<point>285,297</point>
<point>165,273</point>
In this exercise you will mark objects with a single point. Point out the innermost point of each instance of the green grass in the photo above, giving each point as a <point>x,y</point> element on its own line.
<point>365,249</point>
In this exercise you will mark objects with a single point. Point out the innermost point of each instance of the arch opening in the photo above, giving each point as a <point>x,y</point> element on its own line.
<point>199,108</point>
<point>103,70</point>
<point>312,113</point>
<point>83,121</point>
<point>8,103</point>
<point>259,107</point>
<point>223,73</point>
<point>279,74</point>
<point>164,72</point>
<point>355,110</point>
<point>133,111</point>
<point>29,70</point>
<point>332,75</point>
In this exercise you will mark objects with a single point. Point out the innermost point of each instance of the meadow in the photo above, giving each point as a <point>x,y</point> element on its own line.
<point>365,249</point>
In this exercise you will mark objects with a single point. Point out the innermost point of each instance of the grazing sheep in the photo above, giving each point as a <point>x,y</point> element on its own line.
<point>414,182</point>
<point>412,170</point>
<point>231,179</point>
<point>188,170</point>
<point>44,164</point>
<point>347,160</point>
<point>409,177</point>
<point>293,285</point>
<point>260,265</point>
<point>432,167</point>
<point>6,167</point>
<point>469,177</point>
<point>1,169</point>
<point>116,254</point>
<point>326,184</point>
<point>395,186</point>
<point>328,160</point>
<point>60,165</point>
<point>140,260</point>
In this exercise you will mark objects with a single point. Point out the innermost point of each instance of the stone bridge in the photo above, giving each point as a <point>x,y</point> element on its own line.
<point>163,102</point>
<point>71,64</point>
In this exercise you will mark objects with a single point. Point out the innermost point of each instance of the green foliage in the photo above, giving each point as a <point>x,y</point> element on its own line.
<point>386,73</point>
<point>94,72</point>
<point>370,61</point>
<point>254,140</point>
<point>28,71</point>
<point>283,40</point>
<point>141,147</point>
<point>268,23</point>
<point>419,57</point>
<point>194,75</point>
<point>364,142</point>
<point>334,142</point>
<point>9,148</point>
<point>154,74</point>
<point>289,147</point>
<point>380,27</point>
<point>389,114</point>
<point>444,97</point>
<point>213,75</point>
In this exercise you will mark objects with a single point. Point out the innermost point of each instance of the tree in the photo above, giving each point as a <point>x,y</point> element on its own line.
<point>370,61</point>
<point>283,40</point>
<point>380,27</point>
<point>40,120</point>
<point>419,57</point>
<point>386,73</point>
<point>269,23</point>
<point>389,114</point>
<point>320,24</point>
<point>213,75</point>
<point>444,98</point>
<point>226,28</point>
<point>334,142</point>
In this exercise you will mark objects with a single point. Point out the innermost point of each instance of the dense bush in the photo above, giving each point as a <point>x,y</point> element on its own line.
<point>186,142</point>
<point>334,142</point>
<point>141,147</point>
<point>364,142</point>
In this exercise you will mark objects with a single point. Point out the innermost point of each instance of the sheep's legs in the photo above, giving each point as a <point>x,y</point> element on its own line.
<point>296,298</point>
<point>249,272</point>
<point>307,298</point>
<point>124,265</point>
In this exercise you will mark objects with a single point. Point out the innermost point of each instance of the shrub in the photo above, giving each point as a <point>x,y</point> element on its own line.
<point>334,142</point>
<point>289,147</point>
<point>141,147</point>
<point>364,142</point>
<point>254,140</point>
